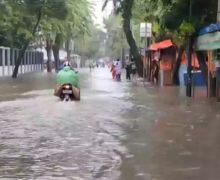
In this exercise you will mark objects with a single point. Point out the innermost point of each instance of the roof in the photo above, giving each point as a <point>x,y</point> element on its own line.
<point>209,29</point>
<point>161,45</point>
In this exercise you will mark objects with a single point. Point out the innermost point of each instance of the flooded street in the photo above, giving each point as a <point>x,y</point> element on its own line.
<point>118,131</point>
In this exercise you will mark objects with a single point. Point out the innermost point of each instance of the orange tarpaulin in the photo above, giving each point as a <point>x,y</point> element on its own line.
<point>195,61</point>
<point>161,45</point>
<point>166,64</point>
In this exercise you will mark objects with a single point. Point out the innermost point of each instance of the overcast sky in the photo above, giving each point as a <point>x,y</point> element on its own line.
<point>98,13</point>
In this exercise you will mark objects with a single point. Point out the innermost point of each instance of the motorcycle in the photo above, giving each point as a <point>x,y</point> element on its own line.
<point>67,92</point>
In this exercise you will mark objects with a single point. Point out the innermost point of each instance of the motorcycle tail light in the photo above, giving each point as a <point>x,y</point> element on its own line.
<point>67,87</point>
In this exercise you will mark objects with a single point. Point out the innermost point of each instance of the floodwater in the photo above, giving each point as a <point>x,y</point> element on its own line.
<point>118,131</point>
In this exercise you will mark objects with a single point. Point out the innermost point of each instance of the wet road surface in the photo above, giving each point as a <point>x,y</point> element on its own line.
<point>171,137</point>
<point>118,131</point>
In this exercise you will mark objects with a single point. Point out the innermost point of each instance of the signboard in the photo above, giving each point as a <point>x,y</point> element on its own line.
<point>145,30</point>
<point>209,41</point>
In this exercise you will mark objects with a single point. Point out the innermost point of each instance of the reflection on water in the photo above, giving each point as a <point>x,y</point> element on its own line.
<point>172,137</point>
<point>118,131</point>
<point>43,138</point>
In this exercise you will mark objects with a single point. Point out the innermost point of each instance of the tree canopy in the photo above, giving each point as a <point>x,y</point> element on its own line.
<point>170,18</point>
<point>23,21</point>
<point>115,37</point>
<point>18,18</point>
<point>179,18</point>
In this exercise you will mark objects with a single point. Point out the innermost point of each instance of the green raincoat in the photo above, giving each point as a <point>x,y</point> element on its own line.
<point>68,76</point>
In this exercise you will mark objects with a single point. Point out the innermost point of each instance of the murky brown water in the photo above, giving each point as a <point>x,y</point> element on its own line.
<point>117,131</point>
<point>43,138</point>
<point>171,137</point>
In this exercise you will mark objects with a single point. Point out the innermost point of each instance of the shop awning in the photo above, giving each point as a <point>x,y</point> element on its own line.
<point>209,38</point>
<point>161,45</point>
<point>210,41</point>
<point>209,29</point>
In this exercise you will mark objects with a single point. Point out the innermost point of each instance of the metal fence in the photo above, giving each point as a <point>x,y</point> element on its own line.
<point>32,61</point>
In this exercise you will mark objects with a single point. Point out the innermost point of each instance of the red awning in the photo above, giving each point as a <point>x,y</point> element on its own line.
<point>161,45</point>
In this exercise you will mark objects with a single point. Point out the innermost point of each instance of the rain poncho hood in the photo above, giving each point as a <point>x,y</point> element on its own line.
<point>68,76</point>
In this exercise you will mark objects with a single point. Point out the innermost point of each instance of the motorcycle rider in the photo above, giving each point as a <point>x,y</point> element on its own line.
<point>67,75</point>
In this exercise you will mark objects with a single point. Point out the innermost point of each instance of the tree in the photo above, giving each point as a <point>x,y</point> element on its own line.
<point>189,18</point>
<point>178,20</point>
<point>125,7</point>
<point>75,25</point>
<point>79,22</point>
<point>37,9</point>
<point>21,22</point>
<point>116,41</point>
<point>91,45</point>
<point>14,26</point>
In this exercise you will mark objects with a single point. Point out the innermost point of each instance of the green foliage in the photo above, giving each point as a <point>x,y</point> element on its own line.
<point>178,13</point>
<point>116,38</point>
<point>180,18</point>
<point>92,45</point>
<point>186,29</point>
<point>19,17</point>
<point>70,18</point>
<point>75,25</point>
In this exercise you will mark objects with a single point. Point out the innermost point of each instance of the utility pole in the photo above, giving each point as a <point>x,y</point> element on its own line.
<point>218,60</point>
<point>189,56</point>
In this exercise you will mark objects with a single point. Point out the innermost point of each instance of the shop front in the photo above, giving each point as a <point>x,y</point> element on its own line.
<point>161,61</point>
<point>209,41</point>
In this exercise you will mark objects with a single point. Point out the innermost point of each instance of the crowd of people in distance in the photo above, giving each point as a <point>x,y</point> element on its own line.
<point>130,67</point>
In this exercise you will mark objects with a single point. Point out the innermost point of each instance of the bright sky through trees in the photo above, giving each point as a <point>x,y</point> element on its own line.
<point>99,14</point>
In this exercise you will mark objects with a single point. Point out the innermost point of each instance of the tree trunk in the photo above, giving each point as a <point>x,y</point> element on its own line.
<point>22,52</point>
<point>56,55</point>
<point>56,49</point>
<point>68,50</point>
<point>189,67</point>
<point>127,14</point>
<point>177,66</point>
<point>19,59</point>
<point>49,54</point>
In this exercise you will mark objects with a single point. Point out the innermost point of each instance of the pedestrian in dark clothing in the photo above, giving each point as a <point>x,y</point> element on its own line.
<point>134,72</point>
<point>155,72</point>
<point>128,71</point>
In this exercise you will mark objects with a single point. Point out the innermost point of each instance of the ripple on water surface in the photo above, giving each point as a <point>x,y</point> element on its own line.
<point>43,138</point>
